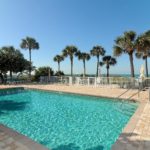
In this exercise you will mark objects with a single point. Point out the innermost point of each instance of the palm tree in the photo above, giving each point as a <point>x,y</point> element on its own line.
<point>97,51</point>
<point>108,61</point>
<point>58,59</point>
<point>83,56</point>
<point>29,44</point>
<point>70,51</point>
<point>126,44</point>
<point>143,48</point>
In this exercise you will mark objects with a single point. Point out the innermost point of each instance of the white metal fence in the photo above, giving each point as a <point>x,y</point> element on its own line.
<point>122,82</point>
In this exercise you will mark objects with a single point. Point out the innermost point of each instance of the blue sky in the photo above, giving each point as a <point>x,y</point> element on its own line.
<point>84,23</point>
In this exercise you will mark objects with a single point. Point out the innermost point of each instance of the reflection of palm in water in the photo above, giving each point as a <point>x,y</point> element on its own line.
<point>9,105</point>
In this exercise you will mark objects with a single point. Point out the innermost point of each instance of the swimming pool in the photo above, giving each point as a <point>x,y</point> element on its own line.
<point>65,121</point>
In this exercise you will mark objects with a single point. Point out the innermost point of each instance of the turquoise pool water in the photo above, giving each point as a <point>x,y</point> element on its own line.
<point>66,121</point>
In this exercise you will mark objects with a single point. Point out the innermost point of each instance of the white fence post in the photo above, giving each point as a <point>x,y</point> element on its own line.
<point>70,80</point>
<point>78,80</point>
<point>88,81</point>
<point>95,81</point>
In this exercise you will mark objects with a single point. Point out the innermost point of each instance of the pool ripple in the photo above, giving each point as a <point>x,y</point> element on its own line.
<point>67,121</point>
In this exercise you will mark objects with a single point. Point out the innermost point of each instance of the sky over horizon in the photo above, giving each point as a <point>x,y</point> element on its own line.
<point>84,23</point>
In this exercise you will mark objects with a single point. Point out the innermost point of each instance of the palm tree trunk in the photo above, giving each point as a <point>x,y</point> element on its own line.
<point>97,66</point>
<point>146,66</point>
<point>71,59</point>
<point>132,65</point>
<point>84,68</point>
<point>107,74</point>
<point>58,66</point>
<point>30,64</point>
<point>5,78</point>
<point>10,75</point>
<point>2,77</point>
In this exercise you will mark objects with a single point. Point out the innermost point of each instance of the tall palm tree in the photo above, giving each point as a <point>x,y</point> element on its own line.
<point>83,56</point>
<point>29,44</point>
<point>143,48</point>
<point>108,61</point>
<point>58,59</point>
<point>97,51</point>
<point>70,52</point>
<point>126,44</point>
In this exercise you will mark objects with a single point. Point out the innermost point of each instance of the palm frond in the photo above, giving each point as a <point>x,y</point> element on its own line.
<point>139,55</point>
<point>117,51</point>
<point>29,43</point>
<point>70,50</point>
<point>58,58</point>
<point>109,60</point>
<point>97,51</point>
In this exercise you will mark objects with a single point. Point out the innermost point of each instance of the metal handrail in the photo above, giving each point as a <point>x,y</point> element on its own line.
<point>123,93</point>
<point>138,92</point>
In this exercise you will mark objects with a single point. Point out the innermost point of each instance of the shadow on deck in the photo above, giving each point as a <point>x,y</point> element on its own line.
<point>132,141</point>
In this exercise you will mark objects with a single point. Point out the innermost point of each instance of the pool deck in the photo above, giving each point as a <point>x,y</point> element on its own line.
<point>12,140</point>
<point>136,134</point>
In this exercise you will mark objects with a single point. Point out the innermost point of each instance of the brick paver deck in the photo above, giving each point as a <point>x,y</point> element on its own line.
<point>12,140</point>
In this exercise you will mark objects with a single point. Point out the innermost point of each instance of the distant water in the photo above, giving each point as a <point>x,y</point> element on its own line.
<point>111,75</point>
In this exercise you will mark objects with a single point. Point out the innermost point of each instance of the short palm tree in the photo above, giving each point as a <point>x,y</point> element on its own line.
<point>97,51</point>
<point>58,59</point>
<point>126,44</point>
<point>70,51</point>
<point>84,57</point>
<point>108,61</point>
<point>29,44</point>
<point>143,48</point>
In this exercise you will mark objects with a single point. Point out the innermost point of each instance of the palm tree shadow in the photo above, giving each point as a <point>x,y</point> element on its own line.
<point>100,147</point>
<point>9,105</point>
<point>128,141</point>
<point>72,146</point>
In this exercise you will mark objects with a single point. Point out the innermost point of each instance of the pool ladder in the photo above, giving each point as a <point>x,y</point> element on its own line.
<point>138,92</point>
<point>129,98</point>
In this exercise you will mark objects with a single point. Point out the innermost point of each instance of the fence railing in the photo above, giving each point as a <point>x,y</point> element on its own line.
<point>122,82</point>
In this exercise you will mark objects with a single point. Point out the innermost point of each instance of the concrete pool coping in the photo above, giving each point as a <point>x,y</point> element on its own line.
<point>129,128</point>
<point>83,94</point>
